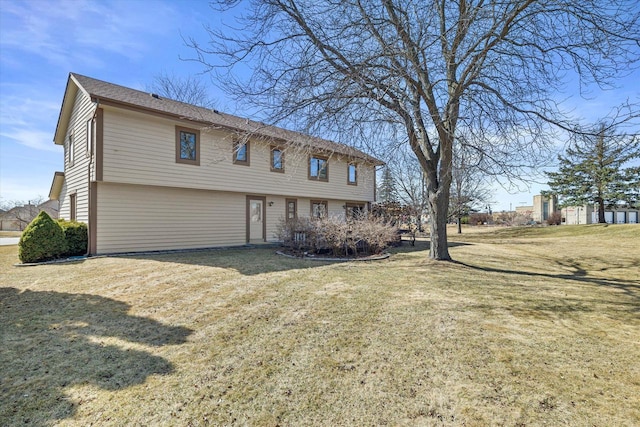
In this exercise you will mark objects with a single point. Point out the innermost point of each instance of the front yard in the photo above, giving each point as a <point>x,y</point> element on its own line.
<point>532,326</point>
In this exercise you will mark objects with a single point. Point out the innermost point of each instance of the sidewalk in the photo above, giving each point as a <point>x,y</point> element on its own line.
<point>6,241</point>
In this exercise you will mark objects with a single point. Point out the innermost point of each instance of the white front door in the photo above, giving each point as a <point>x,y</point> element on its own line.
<point>256,220</point>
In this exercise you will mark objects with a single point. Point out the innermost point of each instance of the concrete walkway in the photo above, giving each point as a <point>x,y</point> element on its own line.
<point>6,241</point>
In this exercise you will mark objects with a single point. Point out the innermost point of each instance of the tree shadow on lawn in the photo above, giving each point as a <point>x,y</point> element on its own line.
<point>51,341</point>
<point>421,245</point>
<point>250,261</point>
<point>629,287</point>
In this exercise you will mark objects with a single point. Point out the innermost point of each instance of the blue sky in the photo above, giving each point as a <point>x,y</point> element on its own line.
<point>124,42</point>
<point>127,43</point>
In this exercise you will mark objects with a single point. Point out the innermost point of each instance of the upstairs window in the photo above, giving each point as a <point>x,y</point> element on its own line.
<point>319,168</point>
<point>187,146</point>
<point>71,149</point>
<point>241,153</point>
<point>277,160</point>
<point>89,136</point>
<point>352,174</point>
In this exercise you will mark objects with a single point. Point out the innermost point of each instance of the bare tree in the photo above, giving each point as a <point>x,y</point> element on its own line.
<point>190,90</point>
<point>19,214</point>
<point>469,186</point>
<point>409,178</point>
<point>418,71</point>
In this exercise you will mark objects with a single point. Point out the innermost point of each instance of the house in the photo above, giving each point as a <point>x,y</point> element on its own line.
<point>18,217</point>
<point>149,173</point>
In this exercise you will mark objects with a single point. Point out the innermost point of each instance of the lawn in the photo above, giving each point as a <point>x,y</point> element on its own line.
<point>532,326</point>
<point>10,233</point>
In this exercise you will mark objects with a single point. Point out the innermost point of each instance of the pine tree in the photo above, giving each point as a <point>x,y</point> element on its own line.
<point>593,171</point>
<point>387,191</point>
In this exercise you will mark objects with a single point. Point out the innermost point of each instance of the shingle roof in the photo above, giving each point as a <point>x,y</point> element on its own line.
<point>105,91</point>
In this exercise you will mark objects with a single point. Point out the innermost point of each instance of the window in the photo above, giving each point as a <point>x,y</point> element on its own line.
<point>277,160</point>
<point>319,209</point>
<point>71,150</point>
<point>354,210</point>
<point>72,207</point>
<point>187,146</point>
<point>89,136</point>
<point>352,174</point>
<point>241,153</point>
<point>292,209</point>
<point>319,168</point>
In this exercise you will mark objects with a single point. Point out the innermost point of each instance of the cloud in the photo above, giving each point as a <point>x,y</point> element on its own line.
<point>22,113</point>
<point>82,32</point>
<point>34,139</point>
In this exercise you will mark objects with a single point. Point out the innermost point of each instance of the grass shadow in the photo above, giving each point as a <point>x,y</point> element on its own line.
<point>251,261</point>
<point>422,245</point>
<point>52,341</point>
<point>629,287</point>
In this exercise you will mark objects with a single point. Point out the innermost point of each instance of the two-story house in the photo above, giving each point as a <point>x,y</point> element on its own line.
<point>149,173</point>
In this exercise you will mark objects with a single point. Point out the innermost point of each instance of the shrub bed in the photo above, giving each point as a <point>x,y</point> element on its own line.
<point>334,235</point>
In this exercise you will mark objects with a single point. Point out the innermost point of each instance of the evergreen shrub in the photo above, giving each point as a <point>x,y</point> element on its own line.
<point>42,240</point>
<point>76,236</point>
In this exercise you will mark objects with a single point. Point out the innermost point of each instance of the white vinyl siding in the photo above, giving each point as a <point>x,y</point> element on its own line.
<point>140,149</point>
<point>76,176</point>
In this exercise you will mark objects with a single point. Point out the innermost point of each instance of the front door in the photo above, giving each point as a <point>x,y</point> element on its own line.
<point>255,219</point>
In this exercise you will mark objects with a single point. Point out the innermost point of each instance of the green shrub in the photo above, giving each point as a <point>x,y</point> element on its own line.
<point>76,236</point>
<point>42,240</point>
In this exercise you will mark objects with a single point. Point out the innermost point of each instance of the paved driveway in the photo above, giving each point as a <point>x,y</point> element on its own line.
<point>5,241</point>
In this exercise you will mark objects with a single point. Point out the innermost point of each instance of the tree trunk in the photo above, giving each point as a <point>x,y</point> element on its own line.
<point>438,207</point>
<point>459,225</point>
<point>601,219</point>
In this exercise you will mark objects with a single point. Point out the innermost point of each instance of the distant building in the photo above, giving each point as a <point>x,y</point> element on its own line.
<point>544,207</point>
<point>17,218</point>
<point>588,214</point>
<point>524,210</point>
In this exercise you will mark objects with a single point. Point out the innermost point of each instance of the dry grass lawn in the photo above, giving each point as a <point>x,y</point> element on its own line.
<point>4,233</point>
<point>533,326</point>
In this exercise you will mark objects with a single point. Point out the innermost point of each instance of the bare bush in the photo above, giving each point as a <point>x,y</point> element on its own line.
<point>554,219</point>
<point>296,234</point>
<point>355,237</point>
<point>479,218</point>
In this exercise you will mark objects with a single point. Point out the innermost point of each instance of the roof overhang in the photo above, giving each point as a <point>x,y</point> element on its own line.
<point>56,186</point>
<point>65,111</point>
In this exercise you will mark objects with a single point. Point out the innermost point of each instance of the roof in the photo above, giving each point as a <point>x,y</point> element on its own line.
<point>110,93</point>
<point>56,185</point>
